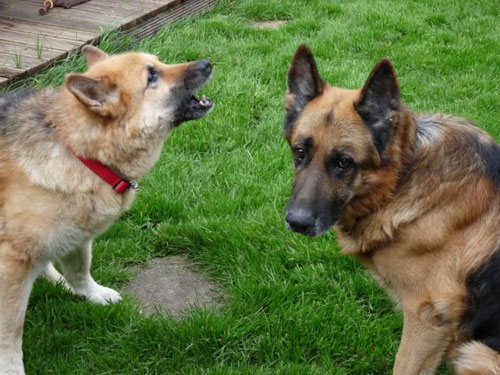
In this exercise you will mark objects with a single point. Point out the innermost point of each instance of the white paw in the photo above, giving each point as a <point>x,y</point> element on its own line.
<point>99,294</point>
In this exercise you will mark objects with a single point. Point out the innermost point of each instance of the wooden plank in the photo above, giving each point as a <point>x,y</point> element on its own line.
<point>44,42</point>
<point>104,6</point>
<point>66,36</point>
<point>165,7</point>
<point>19,61</point>
<point>28,50</point>
<point>30,28</point>
<point>53,30</point>
<point>41,66</point>
<point>77,15</point>
<point>142,5</point>
<point>65,22</point>
<point>22,62</point>
<point>151,26</point>
<point>10,72</point>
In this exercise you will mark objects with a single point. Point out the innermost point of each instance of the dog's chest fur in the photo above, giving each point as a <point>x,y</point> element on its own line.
<point>425,241</point>
<point>55,223</point>
<point>50,202</point>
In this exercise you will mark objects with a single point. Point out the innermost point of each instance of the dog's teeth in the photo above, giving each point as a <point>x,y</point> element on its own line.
<point>204,101</point>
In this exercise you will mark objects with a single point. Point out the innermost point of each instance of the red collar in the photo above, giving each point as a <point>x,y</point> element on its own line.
<point>117,182</point>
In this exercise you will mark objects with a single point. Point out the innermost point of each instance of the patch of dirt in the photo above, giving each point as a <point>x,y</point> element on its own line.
<point>268,24</point>
<point>172,285</point>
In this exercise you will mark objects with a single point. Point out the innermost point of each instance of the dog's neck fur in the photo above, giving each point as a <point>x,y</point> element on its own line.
<point>360,228</point>
<point>88,135</point>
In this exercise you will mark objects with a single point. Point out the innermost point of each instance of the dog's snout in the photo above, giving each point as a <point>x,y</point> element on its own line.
<point>300,220</point>
<point>196,74</point>
<point>204,66</point>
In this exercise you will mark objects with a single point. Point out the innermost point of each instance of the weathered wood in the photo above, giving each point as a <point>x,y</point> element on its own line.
<point>19,61</point>
<point>32,28</point>
<point>24,33</point>
<point>112,5</point>
<point>30,15</point>
<point>43,42</point>
<point>12,47</point>
<point>10,72</point>
<point>150,27</point>
<point>75,15</point>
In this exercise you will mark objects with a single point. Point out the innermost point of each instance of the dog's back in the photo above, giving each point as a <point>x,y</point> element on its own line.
<point>8,107</point>
<point>463,141</point>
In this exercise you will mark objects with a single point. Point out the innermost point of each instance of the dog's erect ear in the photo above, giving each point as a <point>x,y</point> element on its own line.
<point>303,84</point>
<point>95,94</point>
<point>379,96</point>
<point>93,54</point>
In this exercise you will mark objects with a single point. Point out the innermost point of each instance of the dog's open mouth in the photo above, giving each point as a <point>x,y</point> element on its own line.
<point>197,108</point>
<point>195,77</point>
<point>193,108</point>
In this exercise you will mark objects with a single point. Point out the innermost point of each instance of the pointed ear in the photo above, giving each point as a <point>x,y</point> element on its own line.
<point>93,54</point>
<point>379,96</point>
<point>95,94</point>
<point>303,84</point>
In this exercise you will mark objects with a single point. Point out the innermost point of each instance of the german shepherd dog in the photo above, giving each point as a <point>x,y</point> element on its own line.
<point>53,202</point>
<point>415,197</point>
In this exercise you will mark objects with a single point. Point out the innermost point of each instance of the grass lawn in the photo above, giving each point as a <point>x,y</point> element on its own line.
<point>295,305</point>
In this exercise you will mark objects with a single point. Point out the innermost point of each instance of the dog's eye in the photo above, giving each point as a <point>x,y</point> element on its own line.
<point>344,163</point>
<point>152,75</point>
<point>299,154</point>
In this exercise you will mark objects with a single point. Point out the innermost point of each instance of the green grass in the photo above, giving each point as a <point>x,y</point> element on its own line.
<point>295,305</point>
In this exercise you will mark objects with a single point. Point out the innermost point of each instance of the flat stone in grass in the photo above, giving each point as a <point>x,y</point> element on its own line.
<point>268,24</point>
<point>172,285</point>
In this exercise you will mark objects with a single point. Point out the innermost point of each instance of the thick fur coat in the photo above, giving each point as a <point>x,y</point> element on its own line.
<point>415,197</point>
<point>52,206</point>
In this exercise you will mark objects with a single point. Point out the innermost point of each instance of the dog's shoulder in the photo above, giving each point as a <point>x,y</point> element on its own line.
<point>464,139</point>
<point>12,109</point>
<point>10,99</point>
<point>489,152</point>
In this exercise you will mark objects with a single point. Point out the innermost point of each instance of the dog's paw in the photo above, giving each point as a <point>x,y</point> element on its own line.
<point>99,294</point>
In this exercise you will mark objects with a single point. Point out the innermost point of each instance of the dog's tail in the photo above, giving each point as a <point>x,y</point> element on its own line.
<point>475,358</point>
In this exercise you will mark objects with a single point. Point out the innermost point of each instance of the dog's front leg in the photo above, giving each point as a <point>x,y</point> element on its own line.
<point>16,279</point>
<point>76,270</point>
<point>424,341</point>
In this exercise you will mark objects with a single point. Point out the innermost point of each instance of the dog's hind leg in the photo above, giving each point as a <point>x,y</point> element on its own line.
<point>76,270</point>
<point>423,343</point>
<point>16,279</point>
<point>56,277</point>
<point>475,358</point>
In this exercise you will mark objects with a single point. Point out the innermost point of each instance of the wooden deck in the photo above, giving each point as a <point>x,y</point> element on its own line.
<point>30,42</point>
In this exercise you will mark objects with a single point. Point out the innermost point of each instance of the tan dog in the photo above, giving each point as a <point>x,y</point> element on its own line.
<point>415,197</point>
<point>52,206</point>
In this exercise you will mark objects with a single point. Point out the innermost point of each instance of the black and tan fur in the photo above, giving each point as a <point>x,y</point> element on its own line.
<point>52,206</point>
<point>415,197</point>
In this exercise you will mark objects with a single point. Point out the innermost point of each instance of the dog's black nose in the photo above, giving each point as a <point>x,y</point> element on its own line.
<point>300,220</point>
<point>204,66</point>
